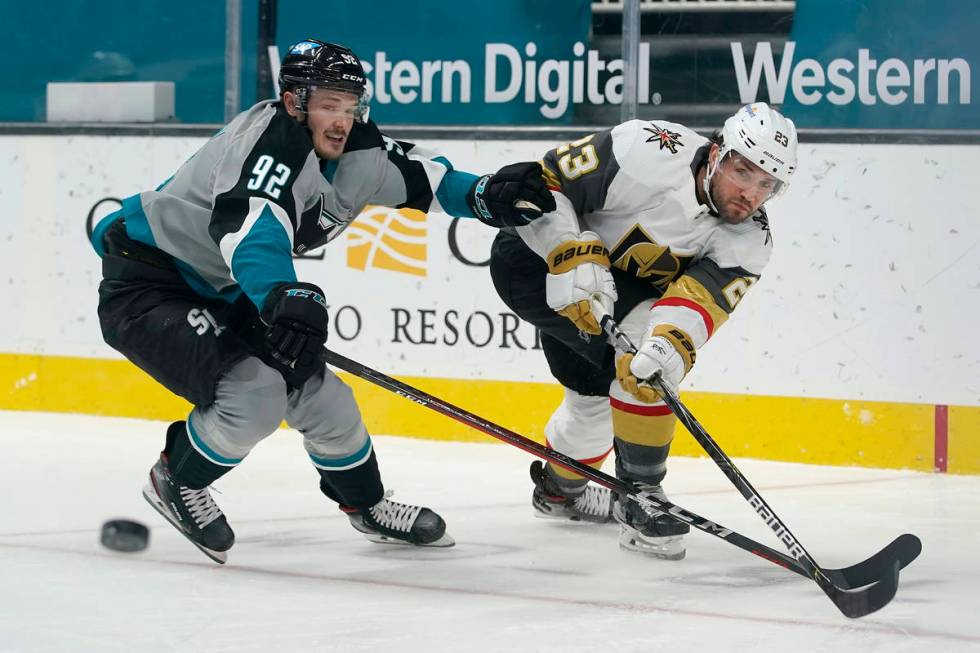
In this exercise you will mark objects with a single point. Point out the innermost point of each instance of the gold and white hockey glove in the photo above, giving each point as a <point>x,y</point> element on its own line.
<point>579,271</point>
<point>656,354</point>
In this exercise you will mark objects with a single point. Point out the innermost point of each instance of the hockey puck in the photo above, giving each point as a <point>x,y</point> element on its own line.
<point>125,535</point>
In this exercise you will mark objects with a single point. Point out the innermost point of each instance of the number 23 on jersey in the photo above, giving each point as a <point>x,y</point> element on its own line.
<point>577,158</point>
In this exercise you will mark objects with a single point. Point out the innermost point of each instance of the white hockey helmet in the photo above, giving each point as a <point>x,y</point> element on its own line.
<point>763,136</point>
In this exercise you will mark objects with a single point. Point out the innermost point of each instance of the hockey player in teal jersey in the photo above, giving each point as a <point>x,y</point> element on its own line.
<point>199,288</point>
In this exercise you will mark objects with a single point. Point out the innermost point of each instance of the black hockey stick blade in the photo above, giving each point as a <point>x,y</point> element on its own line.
<point>857,590</point>
<point>903,550</point>
<point>854,603</point>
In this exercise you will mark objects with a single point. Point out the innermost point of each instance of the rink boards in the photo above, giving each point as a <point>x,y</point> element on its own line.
<point>857,346</point>
<point>814,431</point>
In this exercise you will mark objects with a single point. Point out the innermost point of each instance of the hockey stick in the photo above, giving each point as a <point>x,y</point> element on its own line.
<point>878,575</point>
<point>855,603</point>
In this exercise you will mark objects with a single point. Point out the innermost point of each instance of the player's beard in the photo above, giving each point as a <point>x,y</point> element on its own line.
<point>744,211</point>
<point>725,213</point>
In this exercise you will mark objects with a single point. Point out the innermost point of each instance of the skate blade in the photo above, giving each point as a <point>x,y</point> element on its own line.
<point>221,557</point>
<point>572,519</point>
<point>665,548</point>
<point>443,542</point>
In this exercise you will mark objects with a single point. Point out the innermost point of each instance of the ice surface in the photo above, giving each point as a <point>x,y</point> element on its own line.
<point>301,579</point>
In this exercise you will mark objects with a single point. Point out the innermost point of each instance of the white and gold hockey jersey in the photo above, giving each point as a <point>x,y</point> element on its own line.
<point>634,185</point>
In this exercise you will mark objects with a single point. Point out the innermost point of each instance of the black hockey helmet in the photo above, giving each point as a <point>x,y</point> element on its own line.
<point>311,63</point>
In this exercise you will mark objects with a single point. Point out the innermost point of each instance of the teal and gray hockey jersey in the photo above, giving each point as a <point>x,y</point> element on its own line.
<point>256,193</point>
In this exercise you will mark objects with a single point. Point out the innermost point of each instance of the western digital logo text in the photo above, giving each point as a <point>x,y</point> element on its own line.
<point>510,74</point>
<point>518,74</point>
<point>892,80</point>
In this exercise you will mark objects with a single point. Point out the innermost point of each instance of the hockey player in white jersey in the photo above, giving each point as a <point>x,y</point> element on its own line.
<point>199,288</point>
<point>668,231</point>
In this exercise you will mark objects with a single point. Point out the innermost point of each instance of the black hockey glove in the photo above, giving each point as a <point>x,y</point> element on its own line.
<point>297,317</point>
<point>512,197</point>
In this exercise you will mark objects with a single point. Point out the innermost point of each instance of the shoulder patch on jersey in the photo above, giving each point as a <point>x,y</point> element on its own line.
<point>763,221</point>
<point>667,139</point>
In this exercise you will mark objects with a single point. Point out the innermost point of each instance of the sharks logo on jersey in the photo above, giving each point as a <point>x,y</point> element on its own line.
<point>392,145</point>
<point>318,226</point>
<point>326,219</point>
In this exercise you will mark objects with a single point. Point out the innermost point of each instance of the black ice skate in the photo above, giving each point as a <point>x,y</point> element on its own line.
<point>192,512</point>
<point>593,504</point>
<point>390,522</point>
<point>647,530</point>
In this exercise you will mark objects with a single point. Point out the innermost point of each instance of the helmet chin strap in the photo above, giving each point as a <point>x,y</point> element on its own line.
<point>706,182</point>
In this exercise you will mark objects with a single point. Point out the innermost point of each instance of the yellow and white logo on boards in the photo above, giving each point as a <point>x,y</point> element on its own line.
<point>389,239</point>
